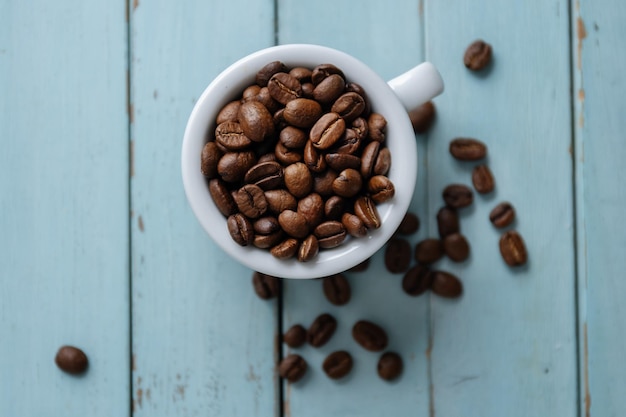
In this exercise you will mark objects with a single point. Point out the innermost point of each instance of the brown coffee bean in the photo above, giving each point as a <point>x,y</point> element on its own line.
<point>323,183</point>
<point>354,225</point>
<point>341,161</point>
<point>370,336</point>
<point>389,366</point>
<point>302,112</point>
<point>368,158</point>
<point>265,286</point>
<point>422,118</point>
<point>334,207</point>
<point>349,143</point>
<point>298,179</point>
<point>232,166</point>
<point>279,120</point>
<point>240,229</point>
<point>293,137</point>
<point>337,289</point>
<point>338,364</point>
<point>365,208</point>
<point>513,249</point>
<point>265,98</point>
<point>307,90</point>
<point>417,280</point>
<point>446,285</point>
<point>280,200</point>
<point>265,73</point>
<point>295,336</point>
<point>348,183</point>
<point>447,221</point>
<point>458,196</point>
<point>322,71</point>
<point>377,124</point>
<point>292,368</point>
<point>321,330</point>
<point>468,149</point>
<point>383,162</point>
<point>256,121</point>
<point>285,249</point>
<point>477,56</point>
<point>267,157</point>
<point>266,225</point>
<point>397,255</point>
<point>308,249</point>
<point>349,106</point>
<point>361,267</point>
<point>301,74</point>
<point>313,159</point>
<point>327,130</point>
<point>312,208</point>
<point>294,224</point>
<point>222,197</point>
<point>228,113</point>
<point>409,225</point>
<point>456,247</point>
<point>209,159</point>
<point>329,89</point>
<point>251,201</point>
<point>482,178</point>
<point>284,87</point>
<point>71,359</point>
<point>428,251</point>
<point>359,127</point>
<point>381,188</point>
<point>269,240</point>
<point>250,93</point>
<point>502,215</point>
<point>285,155</point>
<point>266,175</point>
<point>330,234</point>
<point>231,136</point>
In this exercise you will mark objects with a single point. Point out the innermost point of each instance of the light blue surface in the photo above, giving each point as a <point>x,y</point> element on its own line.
<point>98,247</point>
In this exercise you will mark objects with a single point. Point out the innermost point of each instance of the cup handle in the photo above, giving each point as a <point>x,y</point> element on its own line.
<point>418,85</point>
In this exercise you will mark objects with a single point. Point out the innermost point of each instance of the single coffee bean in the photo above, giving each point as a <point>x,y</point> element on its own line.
<point>361,267</point>
<point>513,249</point>
<point>232,166</point>
<point>279,120</point>
<point>446,285</point>
<point>265,286</point>
<point>360,128</point>
<point>251,201</point>
<point>307,90</point>
<point>268,241</point>
<point>349,143</point>
<point>349,106</point>
<point>312,208</point>
<point>458,195</point>
<point>329,89</point>
<point>334,207</point>
<point>308,249</point>
<point>266,225</point>
<point>330,234</point>
<point>383,162</point>
<point>477,56</point>
<point>294,224</point>
<point>354,225</point>
<point>428,251</point>
<point>222,197</point>
<point>285,155</point>
<point>265,73</point>
<point>230,135</point>
<point>298,179</point>
<point>456,247</point>
<point>417,280</point>
<point>292,368</point>
<point>267,157</point>
<point>266,175</point>
<point>256,121</point>
<point>422,118</point>
<point>468,149</point>
<point>322,71</point>
<point>341,161</point>
<point>482,178</point>
<point>313,159</point>
<point>295,336</point>
<point>265,98</point>
<point>323,183</point>
<point>377,124</point>
<point>502,215</point>
<point>389,366</point>
<point>381,188</point>
<point>409,225</point>
<point>284,87</point>
<point>365,208</point>
<point>348,183</point>
<point>321,330</point>
<point>368,158</point>
<point>209,159</point>
<point>302,112</point>
<point>370,336</point>
<point>280,200</point>
<point>72,360</point>
<point>337,289</point>
<point>447,221</point>
<point>293,137</point>
<point>327,130</point>
<point>397,255</point>
<point>338,364</point>
<point>285,249</point>
<point>301,74</point>
<point>228,113</point>
<point>240,229</point>
<point>250,93</point>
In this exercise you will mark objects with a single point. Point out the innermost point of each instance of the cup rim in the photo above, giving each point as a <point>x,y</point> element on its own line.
<point>402,145</point>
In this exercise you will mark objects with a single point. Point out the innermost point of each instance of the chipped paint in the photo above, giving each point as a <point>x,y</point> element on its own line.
<point>180,390</point>
<point>148,394</point>
<point>420,8</point>
<point>581,34</point>
<point>251,376</point>
<point>581,94</point>
<point>135,4</point>
<point>586,371</point>
<point>140,223</point>
<point>139,397</point>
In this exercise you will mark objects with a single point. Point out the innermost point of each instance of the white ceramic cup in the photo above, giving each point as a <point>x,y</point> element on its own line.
<point>392,100</point>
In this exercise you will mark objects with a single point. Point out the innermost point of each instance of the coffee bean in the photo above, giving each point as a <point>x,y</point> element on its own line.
<point>447,221</point>
<point>513,249</point>
<point>265,286</point>
<point>240,229</point>
<point>269,240</point>
<point>302,112</point>
<point>446,285</point>
<point>323,183</point>
<point>348,183</point>
<point>308,249</point>
<point>228,113</point>
<point>266,175</point>
<point>467,149</point>
<point>330,234</point>
<point>292,368</point>
<point>428,251</point>
<point>361,267</point>
<point>280,200</point>
<point>365,208</point>
<point>354,225</point>
<point>312,208</point>
<point>456,247</point>
<point>301,74</point>
<point>370,336</point>
<point>292,137</point>
<point>321,330</point>
<point>251,201</point>
<point>349,106</point>
<point>482,178</point>
<point>383,162</point>
<point>360,128</point>
<point>256,121</point>
<point>337,289</point>
<point>265,98</point>
<point>298,179</point>
<point>284,87</point>
<point>341,161</point>
<point>285,155</point>
<point>377,124</point>
<point>368,159</point>
<point>458,195</point>
<point>327,130</point>
<point>295,336</point>
<point>422,118</point>
<point>338,364</point>
<point>349,143</point>
<point>322,71</point>
<point>390,366</point>
<point>265,73</point>
<point>329,89</point>
<point>72,360</point>
<point>285,249</point>
<point>477,55</point>
<point>397,255</point>
<point>230,135</point>
<point>222,197</point>
<point>209,159</point>
<point>502,215</point>
<point>409,225</point>
<point>232,166</point>
<point>314,159</point>
<point>334,207</point>
<point>294,224</point>
<point>417,280</point>
<point>250,93</point>
<point>381,188</point>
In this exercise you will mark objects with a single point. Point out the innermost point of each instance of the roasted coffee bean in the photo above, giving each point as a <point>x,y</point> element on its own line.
<point>338,364</point>
<point>365,208</point>
<point>292,368</point>
<point>293,137</point>
<point>268,241</point>
<point>456,247</point>
<point>428,251</point>
<point>329,89</point>
<point>302,112</point>
<point>377,124</point>
<point>308,249</point>
<point>360,128</point>
<point>265,73</point>
<point>330,234</point>
<point>368,159</point>
<point>285,155</point>
<point>250,93</point>
<point>209,159</point>
<point>256,121</point>
<point>447,221</point>
<point>482,178</point>
<point>337,289</point>
<point>334,207</point>
<point>313,159</point>
<point>265,98</point>
<point>383,162</point>
<point>349,106</point>
<point>321,330</point>
<point>301,74</point>
<point>266,225</point>
<point>312,208</point>
<point>285,249</point>
<point>72,360</point>
<point>327,130</point>
<point>502,215</point>
<point>409,225</point>
<point>361,267</point>
<point>295,336</point>
<point>422,118</point>
<point>323,183</point>
<point>467,149</point>
<point>265,286</point>
<point>232,166</point>
<point>231,136</point>
<point>279,120</point>
<point>458,195</point>
<point>354,225</point>
<point>284,87</point>
<point>348,183</point>
<point>341,161</point>
<point>349,143</point>
<point>294,224</point>
<point>446,285</point>
<point>417,280</point>
<point>222,197</point>
<point>477,56</point>
<point>251,201</point>
<point>280,200</point>
<point>370,336</point>
<point>381,188</point>
<point>389,366</point>
<point>267,157</point>
<point>397,255</point>
<point>513,249</point>
<point>298,179</point>
<point>307,90</point>
<point>356,88</point>
<point>266,175</point>
<point>240,229</point>
<point>324,70</point>
<point>229,112</point>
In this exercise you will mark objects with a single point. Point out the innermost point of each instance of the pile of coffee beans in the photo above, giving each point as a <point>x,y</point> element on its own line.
<point>298,162</point>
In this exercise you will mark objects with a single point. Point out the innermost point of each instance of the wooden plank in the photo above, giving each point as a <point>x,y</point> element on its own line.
<point>202,342</point>
<point>389,39</point>
<point>508,346</point>
<point>64,207</point>
<point>598,33</point>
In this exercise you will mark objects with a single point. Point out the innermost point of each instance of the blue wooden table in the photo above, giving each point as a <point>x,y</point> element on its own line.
<point>99,248</point>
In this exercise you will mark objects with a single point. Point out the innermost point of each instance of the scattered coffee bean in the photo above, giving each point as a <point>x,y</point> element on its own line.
<point>447,221</point>
<point>360,267</point>
<point>265,286</point>
<point>410,224</point>
<point>370,336</point>
<point>458,196</point>
<point>338,364</point>
<point>467,149</point>
<point>337,289</point>
<point>502,215</point>
<point>422,117</point>
<point>477,55</point>
<point>446,285</point>
<point>428,251</point>
<point>295,336</point>
<point>456,247</point>
<point>321,330</point>
<point>482,178</point>
<point>417,280</point>
<point>390,366</point>
<point>292,368</point>
<point>397,255</point>
<point>72,360</point>
<point>513,249</point>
